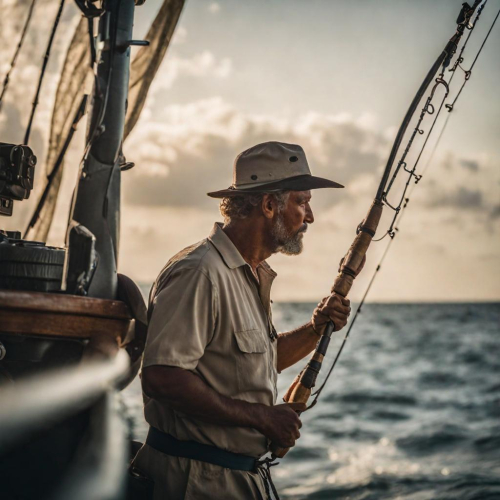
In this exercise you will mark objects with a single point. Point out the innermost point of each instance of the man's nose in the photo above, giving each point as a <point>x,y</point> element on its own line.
<point>309,218</point>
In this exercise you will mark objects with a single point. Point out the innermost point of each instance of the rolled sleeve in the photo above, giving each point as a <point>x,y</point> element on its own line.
<point>182,322</point>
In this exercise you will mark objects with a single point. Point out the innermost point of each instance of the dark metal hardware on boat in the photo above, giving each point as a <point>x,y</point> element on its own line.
<point>30,265</point>
<point>97,196</point>
<point>17,172</point>
<point>127,166</point>
<point>129,43</point>
<point>81,260</point>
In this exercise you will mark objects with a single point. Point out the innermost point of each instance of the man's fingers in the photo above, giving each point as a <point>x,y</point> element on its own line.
<point>339,320</point>
<point>337,299</point>
<point>335,308</point>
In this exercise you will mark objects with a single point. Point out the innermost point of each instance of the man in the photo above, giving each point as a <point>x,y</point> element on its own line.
<point>213,355</point>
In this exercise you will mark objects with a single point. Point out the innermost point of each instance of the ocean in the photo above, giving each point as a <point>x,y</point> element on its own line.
<point>412,410</point>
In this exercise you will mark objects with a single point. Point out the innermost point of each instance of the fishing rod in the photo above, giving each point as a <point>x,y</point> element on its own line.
<point>301,388</point>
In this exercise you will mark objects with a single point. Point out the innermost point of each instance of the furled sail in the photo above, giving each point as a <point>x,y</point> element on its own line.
<point>148,59</point>
<point>71,88</point>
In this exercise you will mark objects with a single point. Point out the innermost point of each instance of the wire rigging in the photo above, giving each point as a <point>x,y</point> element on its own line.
<point>400,210</point>
<point>16,53</point>
<point>42,72</point>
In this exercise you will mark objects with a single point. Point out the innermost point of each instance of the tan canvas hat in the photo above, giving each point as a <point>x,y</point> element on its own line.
<point>272,166</point>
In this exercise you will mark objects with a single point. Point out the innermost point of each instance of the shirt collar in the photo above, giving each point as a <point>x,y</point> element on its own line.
<point>228,251</point>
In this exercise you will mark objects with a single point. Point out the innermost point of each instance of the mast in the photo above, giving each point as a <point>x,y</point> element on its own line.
<point>96,202</point>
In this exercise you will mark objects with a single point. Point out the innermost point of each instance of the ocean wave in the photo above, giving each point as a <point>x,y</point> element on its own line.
<point>363,397</point>
<point>356,434</point>
<point>421,443</point>
<point>389,415</point>
<point>437,379</point>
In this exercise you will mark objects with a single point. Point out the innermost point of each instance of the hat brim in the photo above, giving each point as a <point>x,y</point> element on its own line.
<point>298,183</point>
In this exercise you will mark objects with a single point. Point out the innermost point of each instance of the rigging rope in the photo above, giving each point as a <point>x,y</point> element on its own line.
<point>42,72</point>
<point>16,53</point>
<point>50,178</point>
<point>400,211</point>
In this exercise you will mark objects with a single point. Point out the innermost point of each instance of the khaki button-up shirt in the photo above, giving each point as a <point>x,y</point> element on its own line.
<point>210,315</point>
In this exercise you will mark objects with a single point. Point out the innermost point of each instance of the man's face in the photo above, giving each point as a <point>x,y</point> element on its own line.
<point>291,223</point>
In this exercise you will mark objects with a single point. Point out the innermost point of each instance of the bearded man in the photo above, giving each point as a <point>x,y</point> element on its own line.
<point>213,355</point>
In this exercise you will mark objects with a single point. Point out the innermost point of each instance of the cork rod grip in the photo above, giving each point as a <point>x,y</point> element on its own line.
<point>300,389</point>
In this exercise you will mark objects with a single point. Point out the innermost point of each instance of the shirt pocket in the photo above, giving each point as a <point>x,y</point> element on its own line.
<point>252,360</point>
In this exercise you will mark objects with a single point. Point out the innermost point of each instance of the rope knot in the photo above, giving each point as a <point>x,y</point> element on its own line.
<point>263,467</point>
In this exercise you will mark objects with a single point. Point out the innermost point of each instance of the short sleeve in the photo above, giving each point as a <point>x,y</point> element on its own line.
<point>182,322</point>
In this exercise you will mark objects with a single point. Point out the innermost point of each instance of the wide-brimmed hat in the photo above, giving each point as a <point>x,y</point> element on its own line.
<point>272,166</point>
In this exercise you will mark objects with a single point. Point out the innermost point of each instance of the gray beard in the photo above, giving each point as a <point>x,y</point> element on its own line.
<point>285,242</point>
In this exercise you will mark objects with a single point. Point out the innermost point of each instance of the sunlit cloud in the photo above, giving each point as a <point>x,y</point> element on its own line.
<point>214,7</point>
<point>201,139</point>
<point>203,64</point>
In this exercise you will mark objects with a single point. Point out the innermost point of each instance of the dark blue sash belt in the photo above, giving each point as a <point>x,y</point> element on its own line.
<point>165,443</point>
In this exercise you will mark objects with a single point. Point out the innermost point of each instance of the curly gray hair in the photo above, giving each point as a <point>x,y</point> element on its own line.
<point>240,207</point>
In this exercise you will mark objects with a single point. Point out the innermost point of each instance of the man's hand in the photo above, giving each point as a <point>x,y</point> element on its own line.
<point>335,308</point>
<point>281,423</point>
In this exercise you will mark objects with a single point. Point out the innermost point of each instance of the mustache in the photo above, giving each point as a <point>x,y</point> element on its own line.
<point>303,228</point>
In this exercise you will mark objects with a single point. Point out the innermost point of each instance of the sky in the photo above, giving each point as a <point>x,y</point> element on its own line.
<point>334,76</point>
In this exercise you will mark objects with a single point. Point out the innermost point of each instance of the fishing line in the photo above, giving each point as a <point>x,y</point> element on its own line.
<point>16,53</point>
<point>400,211</point>
<point>467,73</point>
<point>42,73</point>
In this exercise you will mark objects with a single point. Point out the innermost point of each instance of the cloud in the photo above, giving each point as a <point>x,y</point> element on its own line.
<point>495,212</point>
<point>455,184</point>
<point>191,148</point>
<point>214,7</point>
<point>461,198</point>
<point>472,165</point>
<point>204,64</point>
<point>180,36</point>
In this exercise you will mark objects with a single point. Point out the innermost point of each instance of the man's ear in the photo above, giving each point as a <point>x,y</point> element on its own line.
<point>268,206</point>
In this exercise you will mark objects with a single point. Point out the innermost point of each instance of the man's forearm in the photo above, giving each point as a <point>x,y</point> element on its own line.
<point>186,392</point>
<point>295,345</point>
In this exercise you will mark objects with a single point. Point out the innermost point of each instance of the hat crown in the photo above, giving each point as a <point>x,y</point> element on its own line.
<point>269,162</point>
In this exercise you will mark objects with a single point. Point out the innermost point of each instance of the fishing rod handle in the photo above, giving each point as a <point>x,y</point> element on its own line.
<point>300,389</point>
<point>357,251</point>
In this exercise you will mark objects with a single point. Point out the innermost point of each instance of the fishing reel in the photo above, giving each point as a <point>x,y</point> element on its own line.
<point>17,172</point>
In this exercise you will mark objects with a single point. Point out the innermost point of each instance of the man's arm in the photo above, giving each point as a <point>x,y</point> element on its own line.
<point>186,392</point>
<point>295,345</point>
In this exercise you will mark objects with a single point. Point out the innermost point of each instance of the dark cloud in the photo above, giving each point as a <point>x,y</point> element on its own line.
<point>495,212</point>
<point>462,198</point>
<point>471,165</point>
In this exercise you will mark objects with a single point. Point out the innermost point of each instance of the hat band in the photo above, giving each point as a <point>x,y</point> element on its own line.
<point>251,185</point>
